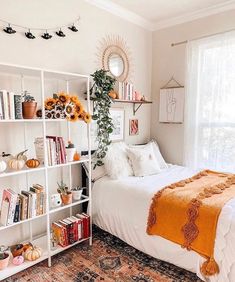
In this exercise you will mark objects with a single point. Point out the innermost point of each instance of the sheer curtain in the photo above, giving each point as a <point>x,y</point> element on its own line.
<point>210,103</point>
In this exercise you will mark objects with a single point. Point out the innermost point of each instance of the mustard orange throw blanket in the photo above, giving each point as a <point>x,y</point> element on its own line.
<point>187,213</point>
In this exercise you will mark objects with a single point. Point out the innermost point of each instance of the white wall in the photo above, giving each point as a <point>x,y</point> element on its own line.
<point>74,53</point>
<point>168,61</point>
<point>77,51</point>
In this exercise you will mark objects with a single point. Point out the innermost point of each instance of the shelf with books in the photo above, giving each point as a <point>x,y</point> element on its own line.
<point>41,81</point>
<point>75,203</point>
<point>22,171</point>
<point>21,222</point>
<point>13,269</point>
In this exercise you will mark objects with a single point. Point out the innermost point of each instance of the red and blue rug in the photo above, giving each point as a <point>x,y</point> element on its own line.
<point>109,259</point>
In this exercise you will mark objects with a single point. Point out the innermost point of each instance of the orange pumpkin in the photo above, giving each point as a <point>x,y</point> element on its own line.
<point>76,156</point>
<point>113,94</point>
<point>32,163</point>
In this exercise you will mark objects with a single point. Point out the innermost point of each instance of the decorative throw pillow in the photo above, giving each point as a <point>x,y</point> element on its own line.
<point>143,161</point>
<point>116,161</point>
<point>156,151</point>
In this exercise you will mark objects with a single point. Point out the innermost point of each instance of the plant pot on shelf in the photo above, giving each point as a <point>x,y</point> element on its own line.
<point>29,109</point>
<point>70,152</point>
<point>77,195</point>
<point>66,198</point>
<point>4,261</point>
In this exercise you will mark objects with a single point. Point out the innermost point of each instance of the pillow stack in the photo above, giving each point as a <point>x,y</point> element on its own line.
<point>122,161</point>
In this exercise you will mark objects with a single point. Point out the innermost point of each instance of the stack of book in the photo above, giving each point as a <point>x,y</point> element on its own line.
<point>55,150</point>
<point>16,207</point>
<point>10,105</point>
<point>72,229</point>
<point>126,91</point>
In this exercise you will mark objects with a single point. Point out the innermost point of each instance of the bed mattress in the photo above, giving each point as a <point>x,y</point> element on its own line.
<point>121,208</point>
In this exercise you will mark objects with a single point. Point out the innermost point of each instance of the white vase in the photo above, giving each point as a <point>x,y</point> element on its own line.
<point>77,195</point>
<point>70,154</point>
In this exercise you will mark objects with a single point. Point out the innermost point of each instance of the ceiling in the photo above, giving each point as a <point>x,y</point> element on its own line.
<point>157,14</point>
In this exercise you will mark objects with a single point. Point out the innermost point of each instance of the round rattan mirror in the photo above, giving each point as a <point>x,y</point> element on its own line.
<point>115,57</point>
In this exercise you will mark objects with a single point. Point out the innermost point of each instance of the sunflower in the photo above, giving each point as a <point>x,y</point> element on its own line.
<point>87,118</point>
<point>74,99</point>
<point>78,108</point>
<point>50,103</point>
<point>63,98</point>
<point>73,117</point>
<point>69,109</point>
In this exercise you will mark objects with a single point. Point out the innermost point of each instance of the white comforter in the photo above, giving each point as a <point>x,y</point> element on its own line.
<point>121,208</point>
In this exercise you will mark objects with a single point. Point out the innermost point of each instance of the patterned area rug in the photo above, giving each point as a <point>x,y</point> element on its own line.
<point>108,260</point>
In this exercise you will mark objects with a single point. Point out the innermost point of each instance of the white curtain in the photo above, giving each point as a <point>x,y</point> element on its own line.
<point>210,103</point>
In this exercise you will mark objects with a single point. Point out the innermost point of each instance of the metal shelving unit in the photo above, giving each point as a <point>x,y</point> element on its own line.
<point>44,240</point>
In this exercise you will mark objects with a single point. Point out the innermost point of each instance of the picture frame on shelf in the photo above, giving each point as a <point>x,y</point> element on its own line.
<point>133,127</point>
<point>118,117</point>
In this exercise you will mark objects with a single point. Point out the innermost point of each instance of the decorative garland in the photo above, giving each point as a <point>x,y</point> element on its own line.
<point>46,35</point>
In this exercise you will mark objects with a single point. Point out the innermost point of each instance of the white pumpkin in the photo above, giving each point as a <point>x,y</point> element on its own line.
<point>33,253</point>
<point>3,166</point>
<point>16,164</point>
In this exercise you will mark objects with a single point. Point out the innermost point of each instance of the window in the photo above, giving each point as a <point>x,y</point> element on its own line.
<point>210,103</point>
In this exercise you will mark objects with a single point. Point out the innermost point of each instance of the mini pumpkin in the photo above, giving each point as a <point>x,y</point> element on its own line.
<point>32,163</point>
<point>33,253</point>
<point>113,94</point>
<point>18,260</point>
<point>18,162</point>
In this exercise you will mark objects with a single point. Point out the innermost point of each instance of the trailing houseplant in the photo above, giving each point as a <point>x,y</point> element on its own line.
<point>103,85</point>
<point>29,106</point>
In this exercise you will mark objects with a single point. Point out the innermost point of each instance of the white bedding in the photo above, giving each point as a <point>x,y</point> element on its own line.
<point>121,208</point>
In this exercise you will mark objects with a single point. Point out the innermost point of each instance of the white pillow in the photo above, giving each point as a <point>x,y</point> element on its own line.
<point>96,173</point>
<point>158,155</point>
<point>156,151</point>
<point>143,161</point>
<point>116,161</point>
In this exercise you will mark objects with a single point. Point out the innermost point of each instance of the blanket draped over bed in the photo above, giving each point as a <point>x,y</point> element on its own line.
<point>187,213</point>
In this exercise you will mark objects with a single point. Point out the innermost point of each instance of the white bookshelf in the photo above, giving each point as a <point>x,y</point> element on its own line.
<point>43,240</point>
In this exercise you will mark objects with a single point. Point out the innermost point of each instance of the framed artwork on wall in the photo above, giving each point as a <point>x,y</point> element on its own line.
<point>118,116</point>
<point>133,127</point>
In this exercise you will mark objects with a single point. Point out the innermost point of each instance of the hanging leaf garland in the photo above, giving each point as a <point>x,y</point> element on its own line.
<point>103,84</point>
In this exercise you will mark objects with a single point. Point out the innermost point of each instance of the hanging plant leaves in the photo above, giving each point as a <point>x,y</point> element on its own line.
<point>99,92</point>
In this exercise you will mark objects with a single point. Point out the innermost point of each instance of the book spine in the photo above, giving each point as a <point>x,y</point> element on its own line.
<point>12,208</point>
<point>12,105</point>
<point>5,104</point>
<point>18,107</point>
<point>17,212</point>
<point>1,106</point>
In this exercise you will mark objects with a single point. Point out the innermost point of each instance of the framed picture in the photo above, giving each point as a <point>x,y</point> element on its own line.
<point>118,116</point>
<point>133,127</point>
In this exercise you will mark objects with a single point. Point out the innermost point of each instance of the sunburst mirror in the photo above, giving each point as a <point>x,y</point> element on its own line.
<point>115,56</point>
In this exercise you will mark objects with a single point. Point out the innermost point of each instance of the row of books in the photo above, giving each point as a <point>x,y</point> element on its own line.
<point>126,91</point>
<point>16,207</point>
<point>71,229</point>
<point>56,153</point>
<point>10,105</point>
<point>56,150</point>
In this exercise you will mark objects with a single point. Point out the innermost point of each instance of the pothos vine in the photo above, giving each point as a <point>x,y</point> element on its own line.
<point>103,85</point>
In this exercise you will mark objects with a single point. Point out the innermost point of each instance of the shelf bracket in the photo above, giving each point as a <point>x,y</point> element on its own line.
<point>135,109</point>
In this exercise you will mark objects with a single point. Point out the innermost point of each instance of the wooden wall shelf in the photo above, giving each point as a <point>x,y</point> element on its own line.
<point>136,104</point>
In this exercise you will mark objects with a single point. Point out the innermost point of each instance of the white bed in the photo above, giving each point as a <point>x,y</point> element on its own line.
<point>121,208</point>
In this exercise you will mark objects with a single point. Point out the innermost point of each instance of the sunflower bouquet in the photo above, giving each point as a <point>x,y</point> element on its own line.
<point>65,106</point>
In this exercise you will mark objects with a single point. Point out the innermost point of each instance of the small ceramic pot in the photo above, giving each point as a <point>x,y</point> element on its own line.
<point>4,262</point>
<point>29,109</point>
<point>77,195</point>
<point>70,152</point>
<point>66,199</point>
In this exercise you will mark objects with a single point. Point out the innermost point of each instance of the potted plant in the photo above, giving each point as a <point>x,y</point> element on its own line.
<point>65,194</point>
<point>4,257</point>
<point>77,193</point>
<point>29,106</point>
<point>70,151</point>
